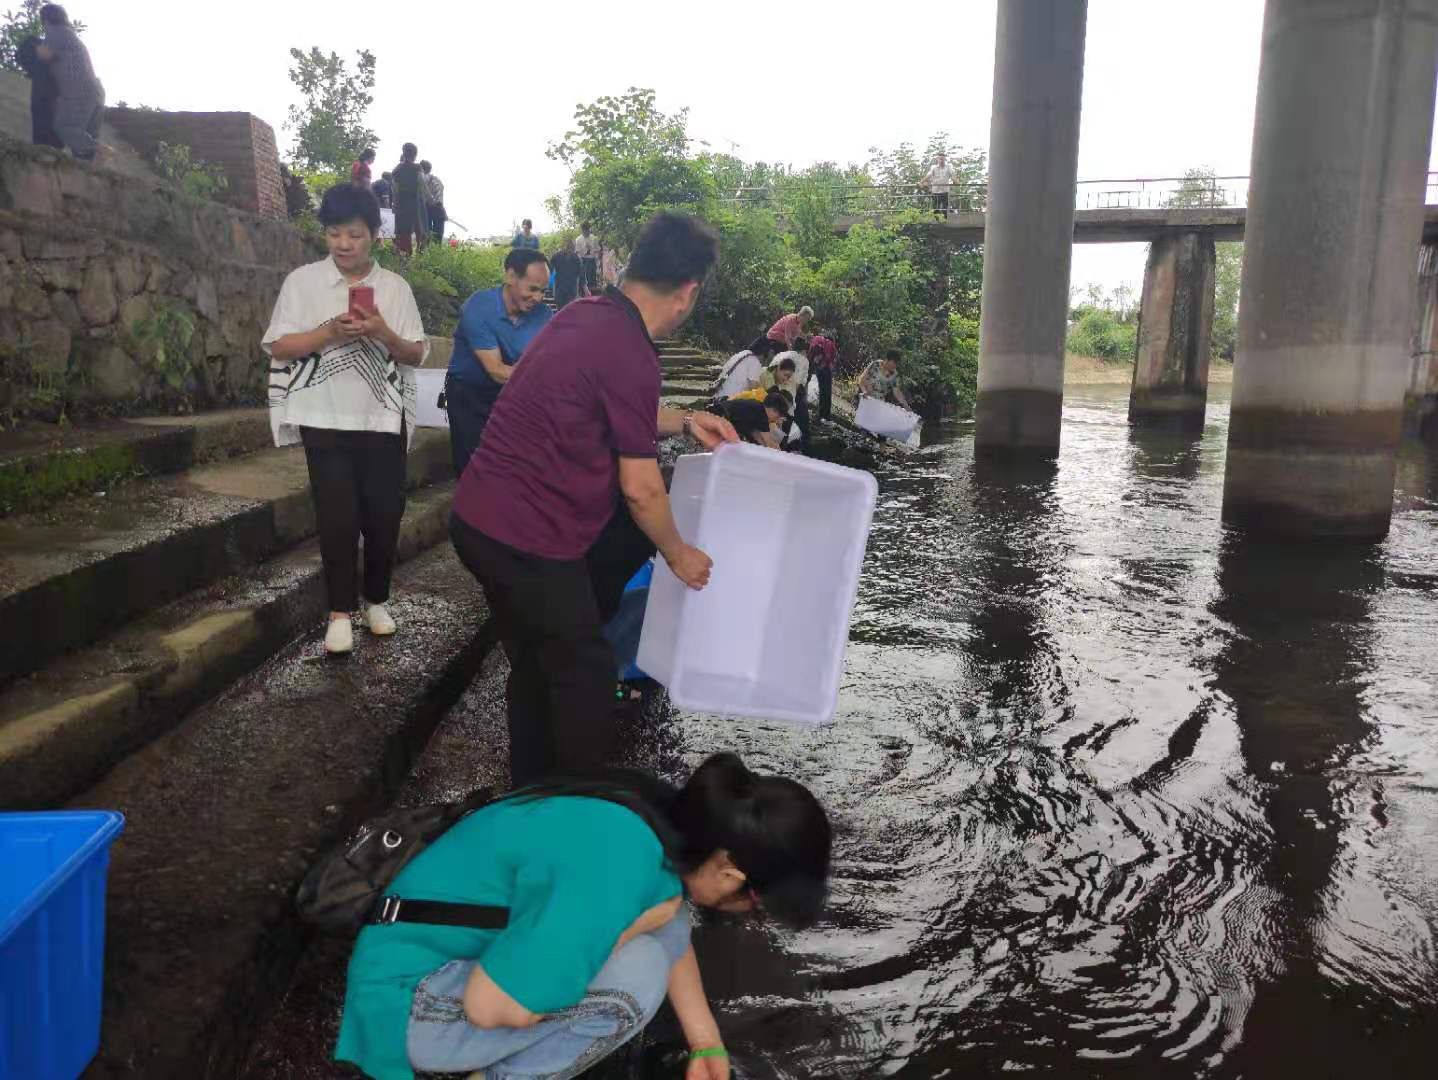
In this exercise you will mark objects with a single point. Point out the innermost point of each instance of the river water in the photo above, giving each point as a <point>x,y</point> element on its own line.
<point>1117,794</point>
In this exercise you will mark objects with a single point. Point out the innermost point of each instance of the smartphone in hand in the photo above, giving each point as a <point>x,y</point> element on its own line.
<point>361,301</point>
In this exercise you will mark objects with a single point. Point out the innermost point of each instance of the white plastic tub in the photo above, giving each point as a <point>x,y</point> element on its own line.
<point>429,388</point>
<point>766,637</point>
<point>887,420</point>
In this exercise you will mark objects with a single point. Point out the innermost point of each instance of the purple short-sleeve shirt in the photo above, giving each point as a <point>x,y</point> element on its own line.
<point>545,479</point>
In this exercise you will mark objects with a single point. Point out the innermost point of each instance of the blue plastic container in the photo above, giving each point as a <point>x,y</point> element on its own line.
<point>624,629</point>
<point>52,940</point>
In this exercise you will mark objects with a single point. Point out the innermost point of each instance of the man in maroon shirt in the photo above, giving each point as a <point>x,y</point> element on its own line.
<point>563,501</point>
<point>823,352</point>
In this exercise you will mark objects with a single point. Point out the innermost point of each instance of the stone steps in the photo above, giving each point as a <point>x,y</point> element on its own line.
<point>68,723</point>
<point>41,463</point>
<point>89,564</point>
<point>225,813</point>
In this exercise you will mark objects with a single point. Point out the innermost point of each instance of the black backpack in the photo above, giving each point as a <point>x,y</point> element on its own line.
<point>346,889</point>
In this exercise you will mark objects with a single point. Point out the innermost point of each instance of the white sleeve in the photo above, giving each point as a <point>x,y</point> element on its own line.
<point>286,318</point>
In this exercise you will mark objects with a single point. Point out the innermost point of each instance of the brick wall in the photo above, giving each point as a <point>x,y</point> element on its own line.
<point>241,144</point>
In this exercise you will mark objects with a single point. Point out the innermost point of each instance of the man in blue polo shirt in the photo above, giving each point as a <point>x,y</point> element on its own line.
<point>495,327</point>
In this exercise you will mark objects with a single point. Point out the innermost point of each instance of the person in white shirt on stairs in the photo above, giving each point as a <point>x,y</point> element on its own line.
<point>343,337</point>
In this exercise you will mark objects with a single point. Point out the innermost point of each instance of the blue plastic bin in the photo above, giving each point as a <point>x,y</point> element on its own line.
<point>624,629</point>
<point>52,940</point>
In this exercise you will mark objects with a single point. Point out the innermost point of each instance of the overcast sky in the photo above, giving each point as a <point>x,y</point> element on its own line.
<point>483,88</point>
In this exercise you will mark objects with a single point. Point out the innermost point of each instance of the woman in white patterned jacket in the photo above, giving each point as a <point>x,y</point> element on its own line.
<point>343,338</point>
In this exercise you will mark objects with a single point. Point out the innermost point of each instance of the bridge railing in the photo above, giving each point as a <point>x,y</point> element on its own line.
<point>1148,193</point>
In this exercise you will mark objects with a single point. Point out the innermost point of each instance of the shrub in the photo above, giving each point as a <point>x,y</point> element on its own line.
<point>1099,333</point>
<point>195,177</point>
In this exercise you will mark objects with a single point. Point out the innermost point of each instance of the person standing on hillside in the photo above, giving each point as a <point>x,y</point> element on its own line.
<point>786,330</point>
<point>434,201</point>
<point>80,103</point>
<point>383,189</point>
<point>566,274</point>
<point>495,327</point>
<point>361,174</point>
<point>939,179</point>
<point>564,501</point>
<point>823,355</point>
<point>586,246</point>
<point>526,237</point>
<point>411,224</point>
<point>43,92</point>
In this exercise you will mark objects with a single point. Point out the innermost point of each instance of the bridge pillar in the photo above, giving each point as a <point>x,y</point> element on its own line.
<point>1420,408</point>
<point>1335,206</point>
<point>1175,322</point>
<point>1028,236</point>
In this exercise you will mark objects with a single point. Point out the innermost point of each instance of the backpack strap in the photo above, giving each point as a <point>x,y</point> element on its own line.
<point>392,909</point>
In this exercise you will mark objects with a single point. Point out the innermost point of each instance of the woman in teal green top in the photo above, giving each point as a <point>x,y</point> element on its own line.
<point>594,875</point>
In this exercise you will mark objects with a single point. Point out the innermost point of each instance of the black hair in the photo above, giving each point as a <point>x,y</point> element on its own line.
<point>786,395</point>
<point>764,347</point>
<point>779,401</point>
<point>408,152</point>
<point>526,224</point>
<point>673,249</point>
<point>786,364</point>
<point>586,225</point>
<point>426,166</point>
<point>367,154</point>
<point>801,344</point>
<point>521,259</point>
<point>386,176</point>
<point>345,202</point>
<point>54,15</point>
<point>773,829</point>
<point>894,355</point>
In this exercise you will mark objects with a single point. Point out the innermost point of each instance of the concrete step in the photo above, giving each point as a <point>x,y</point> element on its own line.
<point>225,813</point>
<point>92,563</point>
<point>41,463</point>
<point>64,726</point>
<point>682,387</point>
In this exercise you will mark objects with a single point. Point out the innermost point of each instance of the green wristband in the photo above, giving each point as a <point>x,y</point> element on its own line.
<point>712,1051</point>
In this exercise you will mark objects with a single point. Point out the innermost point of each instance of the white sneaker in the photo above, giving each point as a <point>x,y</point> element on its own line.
<point>339,637</point>
<point>379,621</point>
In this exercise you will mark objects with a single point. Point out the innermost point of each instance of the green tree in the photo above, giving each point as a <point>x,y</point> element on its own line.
<point>16,26</point>
<point>1227,278</point>
<point>329,122</point>
<point>1199,187</point>
<point>627,126</point>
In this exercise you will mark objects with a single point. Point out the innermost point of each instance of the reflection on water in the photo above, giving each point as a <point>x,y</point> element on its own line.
<point>1117,795</point>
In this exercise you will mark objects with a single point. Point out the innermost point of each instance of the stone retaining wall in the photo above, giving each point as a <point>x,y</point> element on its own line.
<point>120,295</point>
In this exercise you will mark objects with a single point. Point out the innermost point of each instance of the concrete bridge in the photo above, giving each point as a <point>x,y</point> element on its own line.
<point>1336,322</point>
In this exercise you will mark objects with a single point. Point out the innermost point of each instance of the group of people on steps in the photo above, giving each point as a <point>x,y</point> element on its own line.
<point>560,500</point>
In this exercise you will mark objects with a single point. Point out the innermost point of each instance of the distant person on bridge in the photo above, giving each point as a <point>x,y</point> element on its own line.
<point>433,201</point>
<point>526,237</point>
<point>411,221</point>
<point>360,172</point>
<point>586,246</point>
<point>564,501</point>
<point>495,327</point>
<point>80,103</point>
<point>340,383</point>
<point>823,355</point>
<point>939,179</point>
<point>881,380</point>
<point>788,329</point>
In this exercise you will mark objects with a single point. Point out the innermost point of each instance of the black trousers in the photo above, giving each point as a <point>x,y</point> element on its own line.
<point>437,219</point>
<point>468,408</point>
<point>801,415</point>
<point>550,614</point>
<point>826,392</point>
<point>941,202</point>
<point>357,480</point>
<point>589,274</point>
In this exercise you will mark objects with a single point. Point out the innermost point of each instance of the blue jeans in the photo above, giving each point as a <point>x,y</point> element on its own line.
<point>621,1001</point>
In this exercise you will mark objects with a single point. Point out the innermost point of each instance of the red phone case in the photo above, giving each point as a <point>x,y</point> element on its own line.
<point>361,301</point>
